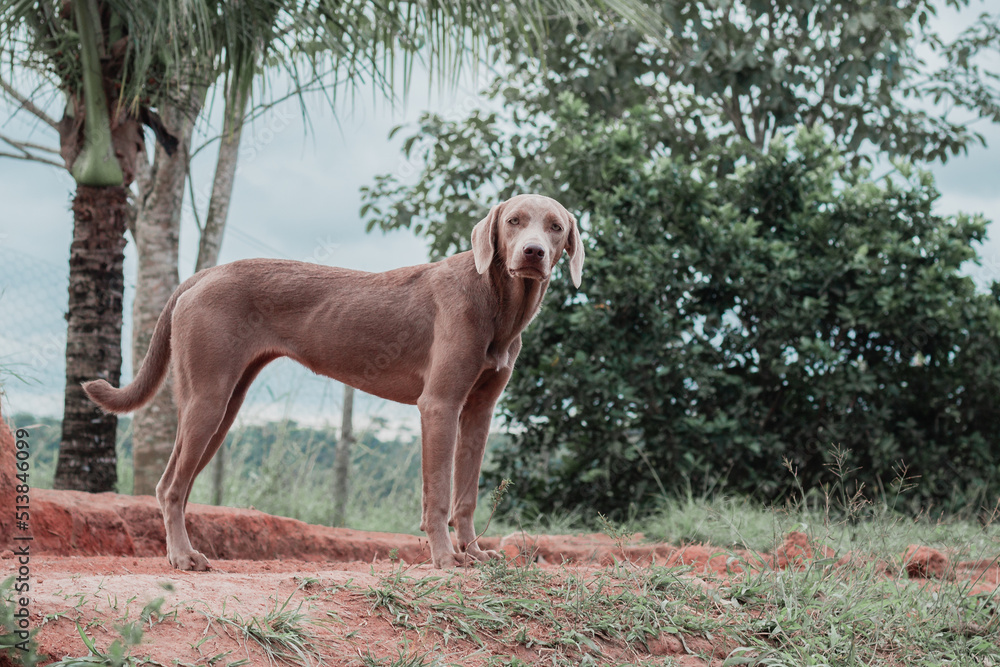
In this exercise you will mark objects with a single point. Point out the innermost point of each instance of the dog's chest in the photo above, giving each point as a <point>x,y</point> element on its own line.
<point>514,310</point>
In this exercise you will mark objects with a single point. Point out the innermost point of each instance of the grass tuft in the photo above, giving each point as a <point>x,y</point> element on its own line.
<point>284,633</point>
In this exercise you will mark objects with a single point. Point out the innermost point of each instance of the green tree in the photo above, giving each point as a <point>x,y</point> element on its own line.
<point>724,72</point>
<point>782,312</point>
<point>875,75</point>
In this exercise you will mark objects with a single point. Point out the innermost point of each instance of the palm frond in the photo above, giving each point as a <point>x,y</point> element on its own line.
<point>150,45</point>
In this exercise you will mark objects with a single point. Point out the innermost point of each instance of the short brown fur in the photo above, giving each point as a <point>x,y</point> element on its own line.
<point>443,336</point>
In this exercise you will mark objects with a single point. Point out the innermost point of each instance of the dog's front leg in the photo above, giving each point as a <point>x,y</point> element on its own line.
<point>474,429</point>
<point>439,430</point>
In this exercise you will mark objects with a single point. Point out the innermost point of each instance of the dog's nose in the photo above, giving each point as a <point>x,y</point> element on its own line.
<point>534,251</point>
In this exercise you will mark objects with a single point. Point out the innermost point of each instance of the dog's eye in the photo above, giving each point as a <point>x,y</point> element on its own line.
<point>512,221</point>
<point>557,228</point>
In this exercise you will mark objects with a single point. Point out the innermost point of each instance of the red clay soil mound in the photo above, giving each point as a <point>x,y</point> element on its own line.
<point>926,563</point>
<point>73,523</point>
<point>595,548</point>
<point>796,550</point>
<point>599,549</point>
<point>8,480</point>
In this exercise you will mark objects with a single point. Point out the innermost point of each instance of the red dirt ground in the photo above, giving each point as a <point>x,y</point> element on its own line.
<point>97,559</point>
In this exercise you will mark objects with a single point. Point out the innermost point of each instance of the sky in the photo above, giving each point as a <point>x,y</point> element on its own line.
<point>296,196</point>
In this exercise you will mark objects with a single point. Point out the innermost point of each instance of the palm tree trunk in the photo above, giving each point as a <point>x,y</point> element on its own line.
<point>156,232</point>
<point>93,338</point>
<point>100,155</point>
<point>215,225</point>
<point>222,185</point>
<point>342,459</point>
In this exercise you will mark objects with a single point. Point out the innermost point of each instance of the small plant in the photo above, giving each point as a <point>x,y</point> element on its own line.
<point>512,578</point>
<point>394,603</point>
<point>119,653</point>
<point>19,648</point>
<point>283,633</point>
<point>495,497</point>
<point>620,535</point>
<point>402,660</point>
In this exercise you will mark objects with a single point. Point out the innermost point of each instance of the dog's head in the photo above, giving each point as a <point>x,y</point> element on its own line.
<point>528,234</point>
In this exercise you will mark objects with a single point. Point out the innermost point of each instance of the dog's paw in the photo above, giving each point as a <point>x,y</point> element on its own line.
<point>482,555</point>
<point>449,560</point>
<point>191,561</point>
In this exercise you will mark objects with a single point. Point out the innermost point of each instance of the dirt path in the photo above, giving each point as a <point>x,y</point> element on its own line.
<point>205,618</point>
<point>319,613</point>
<point>389,612</point>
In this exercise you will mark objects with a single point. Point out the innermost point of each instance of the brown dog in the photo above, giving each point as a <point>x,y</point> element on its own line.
<point>443,336</point>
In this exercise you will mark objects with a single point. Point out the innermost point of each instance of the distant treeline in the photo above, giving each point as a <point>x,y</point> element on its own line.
<point>255,445</point>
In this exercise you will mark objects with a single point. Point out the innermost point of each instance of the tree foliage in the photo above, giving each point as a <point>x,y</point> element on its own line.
<point>751,300</point>
<point>787,312</point>
<point>875,76</point>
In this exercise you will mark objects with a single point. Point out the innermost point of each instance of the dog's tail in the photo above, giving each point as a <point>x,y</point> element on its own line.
<point>154,367</point>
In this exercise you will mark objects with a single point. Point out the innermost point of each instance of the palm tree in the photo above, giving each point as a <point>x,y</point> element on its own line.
<point>86,49</point>
<point>114,61</point>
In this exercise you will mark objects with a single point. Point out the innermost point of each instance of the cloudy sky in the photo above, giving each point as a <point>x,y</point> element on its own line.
<point>296,196</point>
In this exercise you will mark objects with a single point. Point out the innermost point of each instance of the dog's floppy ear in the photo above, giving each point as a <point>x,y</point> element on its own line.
<point>574,248</point>
<point>484,239</point>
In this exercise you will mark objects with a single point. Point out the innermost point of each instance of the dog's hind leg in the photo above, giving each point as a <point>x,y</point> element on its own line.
<point>235,401</point>
<point>199,420</point>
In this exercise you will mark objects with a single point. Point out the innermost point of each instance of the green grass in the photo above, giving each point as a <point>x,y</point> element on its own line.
<point>515,615</point>
<point>294,478</point>
<point>822,615</point>
<point>818,616</point>
<point>402,659</point>
<point>741,524</point>
<point>286,633</point>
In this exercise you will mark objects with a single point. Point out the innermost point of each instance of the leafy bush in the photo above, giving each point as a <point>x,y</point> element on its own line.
<point>744,312</point>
